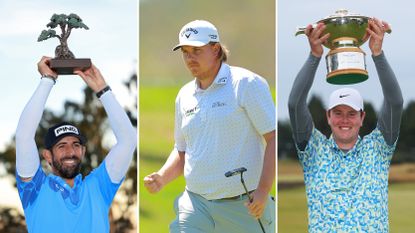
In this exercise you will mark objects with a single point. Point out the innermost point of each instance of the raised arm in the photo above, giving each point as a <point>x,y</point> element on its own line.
<point>389,119</point>
<point>119,158</point>
<point>300,116</point>
<point>27,155</point>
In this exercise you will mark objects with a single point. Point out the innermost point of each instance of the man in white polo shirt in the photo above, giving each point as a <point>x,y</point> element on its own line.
<point>225,119</point>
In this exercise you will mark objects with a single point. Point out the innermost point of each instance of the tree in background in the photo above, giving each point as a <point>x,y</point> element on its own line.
<point>91,119</point>
<point>406,147</point>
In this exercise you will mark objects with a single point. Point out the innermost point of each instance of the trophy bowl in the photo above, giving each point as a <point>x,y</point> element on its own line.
<point>343,27</point>
<point>345,62</point>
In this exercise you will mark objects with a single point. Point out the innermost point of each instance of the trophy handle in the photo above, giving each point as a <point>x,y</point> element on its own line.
<point>301,30</point>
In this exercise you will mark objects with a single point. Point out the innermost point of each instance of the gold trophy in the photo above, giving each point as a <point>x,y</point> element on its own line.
<point>64,61</point>
<point>346,63</point>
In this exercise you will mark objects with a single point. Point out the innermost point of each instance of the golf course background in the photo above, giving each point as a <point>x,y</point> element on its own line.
<point>246,27</point>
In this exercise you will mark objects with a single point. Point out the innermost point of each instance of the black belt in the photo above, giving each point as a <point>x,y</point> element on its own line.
<point>237,197</point>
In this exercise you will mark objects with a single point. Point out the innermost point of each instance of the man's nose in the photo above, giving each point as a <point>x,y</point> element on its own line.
<point>188,56</point>
<point>70,149</point>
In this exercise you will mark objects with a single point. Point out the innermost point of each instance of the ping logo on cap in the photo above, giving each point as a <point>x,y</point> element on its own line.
<point>66,129</point>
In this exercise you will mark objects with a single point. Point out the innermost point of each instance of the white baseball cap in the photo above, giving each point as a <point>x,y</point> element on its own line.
<point>346,96</point>
<point>197,33</point>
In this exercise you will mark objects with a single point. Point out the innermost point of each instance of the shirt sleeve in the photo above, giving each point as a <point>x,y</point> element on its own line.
<point>180,143</point>
<point>385,149</point>
<point>300,116</point>
<point>120,156</point>
<point>390,115</point>
<point>308,155</point>
<point>107,187</point>
<point>27,155</point>
<point>257,101</point>
<point>29,191</point>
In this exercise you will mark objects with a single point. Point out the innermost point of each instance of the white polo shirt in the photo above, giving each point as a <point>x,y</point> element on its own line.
<point>221,129</point>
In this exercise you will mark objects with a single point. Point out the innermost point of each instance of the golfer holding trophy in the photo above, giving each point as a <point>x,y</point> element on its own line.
<point>346,176</point>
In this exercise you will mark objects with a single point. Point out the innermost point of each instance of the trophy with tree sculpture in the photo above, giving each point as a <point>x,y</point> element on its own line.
<point>64,61</point>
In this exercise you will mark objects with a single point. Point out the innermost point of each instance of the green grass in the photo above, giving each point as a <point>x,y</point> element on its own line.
<point>292,209</point>
<point>156,142</point>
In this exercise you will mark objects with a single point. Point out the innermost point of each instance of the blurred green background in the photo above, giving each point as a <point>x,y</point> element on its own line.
<point>246,27</point>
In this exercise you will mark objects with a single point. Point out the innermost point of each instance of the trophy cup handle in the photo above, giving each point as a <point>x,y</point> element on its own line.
<point>301,30</point>
<point>389,31</point>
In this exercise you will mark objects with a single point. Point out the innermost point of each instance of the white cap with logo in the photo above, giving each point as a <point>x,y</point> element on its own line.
<point>346,96</point>
<point>197,33</point>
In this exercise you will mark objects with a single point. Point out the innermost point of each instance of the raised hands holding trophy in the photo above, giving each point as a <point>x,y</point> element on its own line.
<point>65,61</point>
<point>343,33</point>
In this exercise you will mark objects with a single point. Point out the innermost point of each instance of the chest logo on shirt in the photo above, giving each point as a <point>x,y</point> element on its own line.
<point>218,104</point>
<point>222,80</point>
<point>190,112</point>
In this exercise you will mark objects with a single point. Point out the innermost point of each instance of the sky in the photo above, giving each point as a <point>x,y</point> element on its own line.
<point>293,51</point>
<point>111,42</point>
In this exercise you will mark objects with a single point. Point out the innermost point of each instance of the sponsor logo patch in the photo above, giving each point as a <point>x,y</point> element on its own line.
<point>222,80</point>
<point>218,104</point>
<point>213,37</point>
<point>190,30</point>
<point>342,96</point>
<point>66,129</point>
<point>191,111</point>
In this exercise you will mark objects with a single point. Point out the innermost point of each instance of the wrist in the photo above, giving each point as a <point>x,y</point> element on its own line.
<point>102,91</point>
<point>48,76</point>
<point>376,53</point>
<point>316,54</point>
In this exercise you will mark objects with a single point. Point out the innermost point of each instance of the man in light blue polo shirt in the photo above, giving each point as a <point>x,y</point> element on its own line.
<point>346,176</point>
<point>62,201</point>
<point>225,119</point>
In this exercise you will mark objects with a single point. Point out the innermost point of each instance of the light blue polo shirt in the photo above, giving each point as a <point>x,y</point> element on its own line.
<point>50,205</point>
<point>347,192</point>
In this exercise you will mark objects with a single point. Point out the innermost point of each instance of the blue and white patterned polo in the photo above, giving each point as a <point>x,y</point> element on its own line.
<point>347,192</point>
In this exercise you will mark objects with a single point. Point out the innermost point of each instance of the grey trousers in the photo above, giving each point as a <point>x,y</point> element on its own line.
<point>195,214</point>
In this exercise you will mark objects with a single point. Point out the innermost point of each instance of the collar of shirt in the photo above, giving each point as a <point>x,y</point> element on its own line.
<point>336,148</point>
<point>221,78</point>
<point>57,184</point>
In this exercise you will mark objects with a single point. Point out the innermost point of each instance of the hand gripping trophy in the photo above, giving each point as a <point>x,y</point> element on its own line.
<point>64,61</point>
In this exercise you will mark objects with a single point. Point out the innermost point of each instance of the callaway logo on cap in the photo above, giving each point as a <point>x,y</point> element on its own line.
<point>61,130</point>
<point>346,96</point>
<point>197,33</point>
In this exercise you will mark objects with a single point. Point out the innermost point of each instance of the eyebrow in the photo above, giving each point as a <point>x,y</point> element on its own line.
<point>63,143</point>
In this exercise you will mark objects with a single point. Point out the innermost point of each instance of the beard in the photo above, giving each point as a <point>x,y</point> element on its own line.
<point>67,171</point>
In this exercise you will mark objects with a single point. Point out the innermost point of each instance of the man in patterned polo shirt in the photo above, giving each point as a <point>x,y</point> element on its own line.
<point>225,119</point>
<point>346,176</point>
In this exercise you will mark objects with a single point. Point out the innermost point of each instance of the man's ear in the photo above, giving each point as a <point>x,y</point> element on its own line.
<point>83,151</point>
<point>362,116</point>
<point>47,155</point>
<point>328,116</point>
<point>217,48</point>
